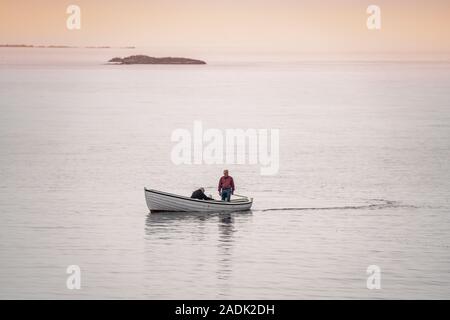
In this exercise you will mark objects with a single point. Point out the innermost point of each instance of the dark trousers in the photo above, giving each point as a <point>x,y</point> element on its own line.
<point>226,195</point>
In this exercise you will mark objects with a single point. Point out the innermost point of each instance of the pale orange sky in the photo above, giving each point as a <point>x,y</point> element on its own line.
<point>246,25</point>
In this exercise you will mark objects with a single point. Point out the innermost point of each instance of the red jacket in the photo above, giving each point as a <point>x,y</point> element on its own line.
<point>226,183</point>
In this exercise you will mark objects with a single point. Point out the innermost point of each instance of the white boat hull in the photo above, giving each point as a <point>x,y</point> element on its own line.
<point>162,201</point>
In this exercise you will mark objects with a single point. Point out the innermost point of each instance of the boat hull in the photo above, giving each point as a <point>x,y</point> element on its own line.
<point>158,201</point>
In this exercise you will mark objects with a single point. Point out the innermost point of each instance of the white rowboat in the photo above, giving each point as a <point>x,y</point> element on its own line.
<point>158,201</point>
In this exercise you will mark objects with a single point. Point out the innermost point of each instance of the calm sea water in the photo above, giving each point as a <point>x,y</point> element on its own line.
<point>364,178</point>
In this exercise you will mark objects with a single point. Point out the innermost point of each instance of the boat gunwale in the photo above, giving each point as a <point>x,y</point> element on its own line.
<point>218,202</point>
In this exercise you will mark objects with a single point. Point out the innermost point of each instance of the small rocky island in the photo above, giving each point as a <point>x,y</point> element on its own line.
<point>142,59</point>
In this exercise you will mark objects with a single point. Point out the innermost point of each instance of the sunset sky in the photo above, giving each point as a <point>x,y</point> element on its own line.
<point>245,25</point>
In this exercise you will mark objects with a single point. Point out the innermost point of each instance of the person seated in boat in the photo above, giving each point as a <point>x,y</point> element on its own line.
<point>226,186</point>
<point>200,195</point>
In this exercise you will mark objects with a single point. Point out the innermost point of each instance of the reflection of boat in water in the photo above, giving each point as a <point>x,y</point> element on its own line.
<point>158,201</point>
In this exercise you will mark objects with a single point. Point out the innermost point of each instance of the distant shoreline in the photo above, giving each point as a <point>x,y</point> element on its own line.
<point>61,46</point>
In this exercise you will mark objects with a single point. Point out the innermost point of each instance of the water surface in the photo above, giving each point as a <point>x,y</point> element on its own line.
<point>364,179</point>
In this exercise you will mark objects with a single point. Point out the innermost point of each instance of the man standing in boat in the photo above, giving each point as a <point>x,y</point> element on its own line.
<point>226,186</point>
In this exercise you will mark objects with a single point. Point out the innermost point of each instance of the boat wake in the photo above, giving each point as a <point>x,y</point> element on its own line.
<point>381,204</point>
